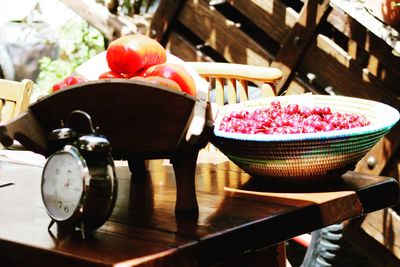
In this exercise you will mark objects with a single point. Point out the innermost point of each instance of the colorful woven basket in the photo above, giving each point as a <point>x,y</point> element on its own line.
<point>306,156</point>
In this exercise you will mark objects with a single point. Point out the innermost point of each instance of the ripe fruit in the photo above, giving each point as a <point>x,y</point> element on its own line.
<point>159,81</point>
<point>174,72</point>
<point>290,119</point>
<point>111,75</point>
<point>131,53</point>
<point>70,80</point>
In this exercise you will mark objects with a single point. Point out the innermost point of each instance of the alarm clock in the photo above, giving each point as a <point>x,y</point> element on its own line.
<point>79,185</point>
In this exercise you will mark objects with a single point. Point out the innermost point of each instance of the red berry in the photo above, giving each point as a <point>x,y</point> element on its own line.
<point>317,110</point>
<point>290,119</point>
<point>326,110</point>
<point>276,104</point>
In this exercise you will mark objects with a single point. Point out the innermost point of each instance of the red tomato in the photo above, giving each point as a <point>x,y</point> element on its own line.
<point>174,72</point>
<point>130,53</point>
<point>111,75</point>
<point>159,81</point>
<point>70,80</point>
<point>58,86</point>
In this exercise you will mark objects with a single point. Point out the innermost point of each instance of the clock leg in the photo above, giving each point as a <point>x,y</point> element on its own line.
<point>63,230</point>
<point>83,230</point>
<point>50,224</point>
<point>184,164</point>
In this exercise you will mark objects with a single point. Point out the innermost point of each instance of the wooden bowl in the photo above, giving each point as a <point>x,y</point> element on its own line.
<point>139,119</point>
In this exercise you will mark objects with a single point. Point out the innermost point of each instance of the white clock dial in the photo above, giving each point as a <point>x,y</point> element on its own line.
<point>63,184</point>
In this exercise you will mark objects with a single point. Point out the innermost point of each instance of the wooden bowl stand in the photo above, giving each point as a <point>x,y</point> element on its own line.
<point>140,120</point>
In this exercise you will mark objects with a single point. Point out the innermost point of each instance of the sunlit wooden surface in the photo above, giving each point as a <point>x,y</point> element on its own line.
<point>144,230</point>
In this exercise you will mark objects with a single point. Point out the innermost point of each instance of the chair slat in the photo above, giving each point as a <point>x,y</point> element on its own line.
<point>14,97</point>
<point>1,108</point>
<point>7,111</point>
<point>231,87</point>
<point>243,90</point>
<point>268,90</point>
<point>219,91</point>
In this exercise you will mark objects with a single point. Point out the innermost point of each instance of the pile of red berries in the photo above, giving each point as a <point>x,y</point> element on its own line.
<point>290,119</point>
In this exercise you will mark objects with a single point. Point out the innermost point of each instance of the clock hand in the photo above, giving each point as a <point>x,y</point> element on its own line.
<point>6,184</point>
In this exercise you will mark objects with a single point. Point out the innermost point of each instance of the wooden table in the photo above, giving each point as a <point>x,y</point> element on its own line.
<point>236,226</point>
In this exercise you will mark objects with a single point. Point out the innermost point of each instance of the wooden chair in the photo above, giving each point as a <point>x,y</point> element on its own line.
<point>232,82</point>
<point>14,98</point>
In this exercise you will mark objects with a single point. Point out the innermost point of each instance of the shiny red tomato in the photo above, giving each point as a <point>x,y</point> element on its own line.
<point>70,80</point>
<point>58,86</point>
<point>111,75</point>
<point>159,81</point>
<point>131,53</point>
<point>174,72</point>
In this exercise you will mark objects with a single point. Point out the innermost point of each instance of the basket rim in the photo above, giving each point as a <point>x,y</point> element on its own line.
<point>390,118</point>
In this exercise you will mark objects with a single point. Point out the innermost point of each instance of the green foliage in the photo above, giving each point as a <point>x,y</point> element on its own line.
<point>78,42</point>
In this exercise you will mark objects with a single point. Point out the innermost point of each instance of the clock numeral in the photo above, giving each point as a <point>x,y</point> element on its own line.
<point>63,207</point>
<point>58,171</point>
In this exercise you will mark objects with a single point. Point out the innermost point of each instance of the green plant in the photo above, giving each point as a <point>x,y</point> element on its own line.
<point>78,42</point>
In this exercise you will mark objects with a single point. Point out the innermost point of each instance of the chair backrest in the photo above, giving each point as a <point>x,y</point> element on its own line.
<point>231,83</point>
<point>14,98</point>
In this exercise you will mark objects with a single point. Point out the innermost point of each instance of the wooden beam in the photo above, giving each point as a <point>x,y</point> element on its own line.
<point>299,38</point>
<point>384,32</point>
<point>222,35</point>
<point>160,24</point>
<point>97,15</point>
<point>266,14</point>
<point>382,63</point>
<point>333,67</point>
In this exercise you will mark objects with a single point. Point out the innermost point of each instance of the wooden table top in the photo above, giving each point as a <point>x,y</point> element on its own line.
<point>237,213</point>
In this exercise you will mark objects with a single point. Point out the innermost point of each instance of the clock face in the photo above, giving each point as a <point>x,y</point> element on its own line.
<point>63,184</point>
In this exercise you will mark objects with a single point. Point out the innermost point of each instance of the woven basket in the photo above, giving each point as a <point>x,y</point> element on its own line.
<point>306,156</point>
